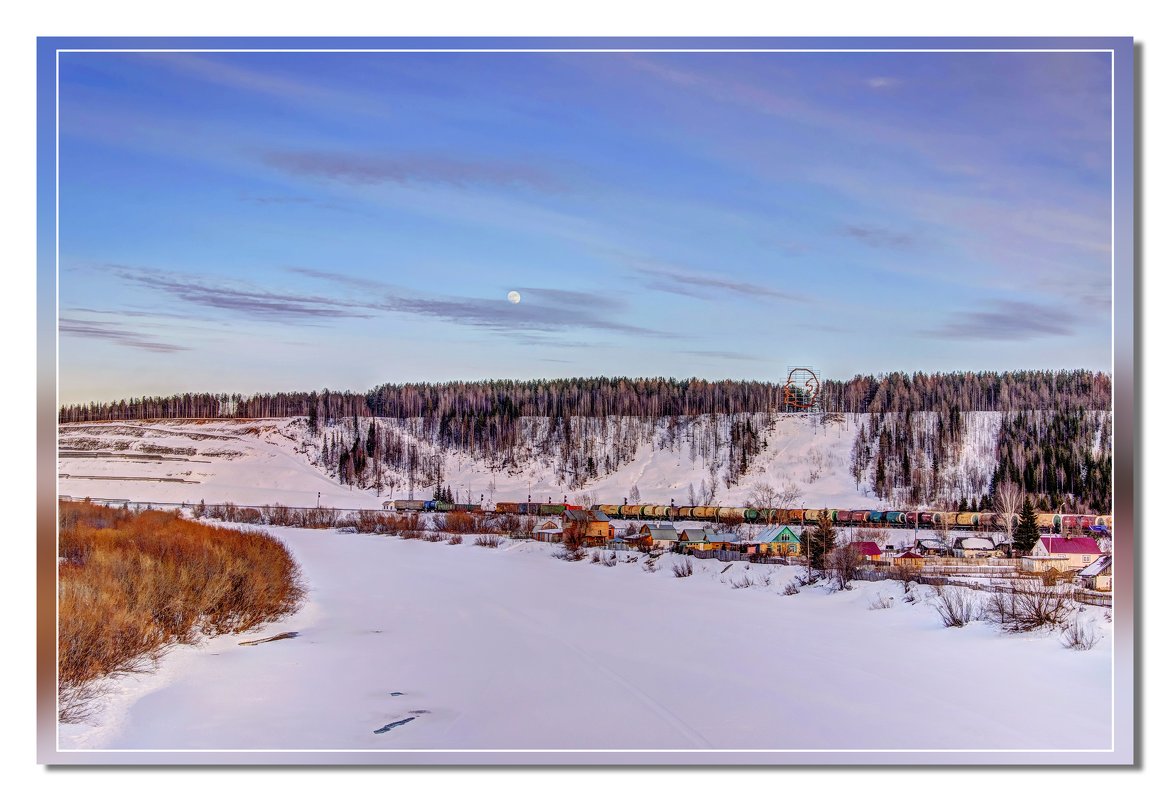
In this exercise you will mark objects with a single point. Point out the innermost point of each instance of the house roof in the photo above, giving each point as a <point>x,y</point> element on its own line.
<point>655,527</point>
<point>713,537</point>
<point>586,516</point>
<point>974,544</point>
<point>1070,545</point>
<point>664,533</point>
<point>866,548</point>
<point>697,534</point>
<point>777,534</point>
<point>930,544</point>
<point>1104,565</point>
<point>909,553</point>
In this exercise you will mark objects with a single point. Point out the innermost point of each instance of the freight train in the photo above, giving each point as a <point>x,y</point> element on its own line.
<point>1066,523</point>
<point>869,518</point>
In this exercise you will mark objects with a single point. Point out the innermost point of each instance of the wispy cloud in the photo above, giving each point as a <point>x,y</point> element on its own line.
<point>368,169</point>
<point>222,295</point>
<point>569,312</point>
<point>116,334</point>
<point>1007,320</point>
<point>699,285</point>
<point>882,82</point>
<point>878,237</point>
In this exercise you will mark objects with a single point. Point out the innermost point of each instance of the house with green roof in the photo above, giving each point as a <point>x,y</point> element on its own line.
<point>776,541</point>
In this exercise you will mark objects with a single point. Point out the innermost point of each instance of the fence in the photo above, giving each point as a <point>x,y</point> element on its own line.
<point>1077,594</point>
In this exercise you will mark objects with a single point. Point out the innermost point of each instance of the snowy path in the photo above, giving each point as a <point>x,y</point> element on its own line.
<point>510,648</point>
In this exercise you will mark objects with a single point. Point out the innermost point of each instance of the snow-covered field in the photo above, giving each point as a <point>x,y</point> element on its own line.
<point>478,648</point>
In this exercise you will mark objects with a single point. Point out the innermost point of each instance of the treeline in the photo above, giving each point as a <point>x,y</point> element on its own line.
<point>487,408</point>
<point>1063,457</point>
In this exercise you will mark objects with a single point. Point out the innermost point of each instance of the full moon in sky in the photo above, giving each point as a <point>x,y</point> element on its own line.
<point>514,296</point>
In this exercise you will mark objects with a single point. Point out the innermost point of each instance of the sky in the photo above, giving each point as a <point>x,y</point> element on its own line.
<point>257,222</point>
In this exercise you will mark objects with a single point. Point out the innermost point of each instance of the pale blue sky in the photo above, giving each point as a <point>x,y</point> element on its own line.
<point>257,221</point>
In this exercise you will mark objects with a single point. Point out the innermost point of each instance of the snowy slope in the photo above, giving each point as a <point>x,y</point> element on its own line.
<point>273,461</point>
<point>479,648</point>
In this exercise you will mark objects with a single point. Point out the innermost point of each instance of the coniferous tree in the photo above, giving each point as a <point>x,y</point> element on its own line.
<point>1028,532</point>
<point>818,540</point>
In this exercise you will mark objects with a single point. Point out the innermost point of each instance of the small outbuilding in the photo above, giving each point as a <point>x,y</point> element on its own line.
<point>1099,575</point>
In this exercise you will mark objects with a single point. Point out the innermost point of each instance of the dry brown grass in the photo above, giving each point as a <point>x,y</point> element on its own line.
<point>133,584</point>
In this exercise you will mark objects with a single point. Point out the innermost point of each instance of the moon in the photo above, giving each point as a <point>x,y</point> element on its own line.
<point>514,296</point>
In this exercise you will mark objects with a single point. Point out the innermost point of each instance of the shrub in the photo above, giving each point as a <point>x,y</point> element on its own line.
<point>608,559</point>
<point>455,539</point>
<point>1029,606</point>
<point>957,606</point>
<point>1080,634</point>
<point>742,582</point>
<point>879,602</point>
<point>432,536</point>
<point>135,584</point>
<point>650,565</point>
<point>792,588</point>
<point>489,540</point>
<point>683,569</point>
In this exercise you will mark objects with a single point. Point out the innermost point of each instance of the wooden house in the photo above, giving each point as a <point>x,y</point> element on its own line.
<point>777,541</point>
<point>696,539</point>
<point>930,547</point>
<point>1067,553</point>
<point>661,535</point>
<point>972,547</point>
<point>870,551</point>
<point>594,524</point>
<point>910,558</point>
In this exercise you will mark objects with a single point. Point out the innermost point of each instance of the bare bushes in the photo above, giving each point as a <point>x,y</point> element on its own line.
<point>742,581</point>
<point>792,588</point>
<point>1080,634</point>
<point>881,602</point>
<point>683,568</point>
<point>432,536</point>
<point>1029,606</point>
<point>274,515</point>
<point>133,584</point>
<point>607,559</point>
<point>488,540</point>
<point>510,524</point>
<point>455,539</point>
<point>462,523</point>
<point>905,574</point>
<point>842,565</point>
<point>958,606</point>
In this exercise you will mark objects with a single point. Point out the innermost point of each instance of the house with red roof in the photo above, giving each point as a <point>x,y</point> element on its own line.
<point>1062,553</point>
<point>870,551</point>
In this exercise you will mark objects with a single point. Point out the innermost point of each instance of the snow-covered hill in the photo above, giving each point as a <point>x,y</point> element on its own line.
<point>279,461</point>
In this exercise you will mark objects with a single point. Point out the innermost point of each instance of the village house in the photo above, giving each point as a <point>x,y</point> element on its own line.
<point>1063,553</point>
<point>1099,575</point>
<point>725,542</point>
<point>661,535</point>
<point>697,539</point>
<point>973,547</point>
<point>870,551</point>
<point>776,541</point>
<point>548,531</point>
<point>594,524</point>
<point>909,558</point>
<point>930,547</point>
